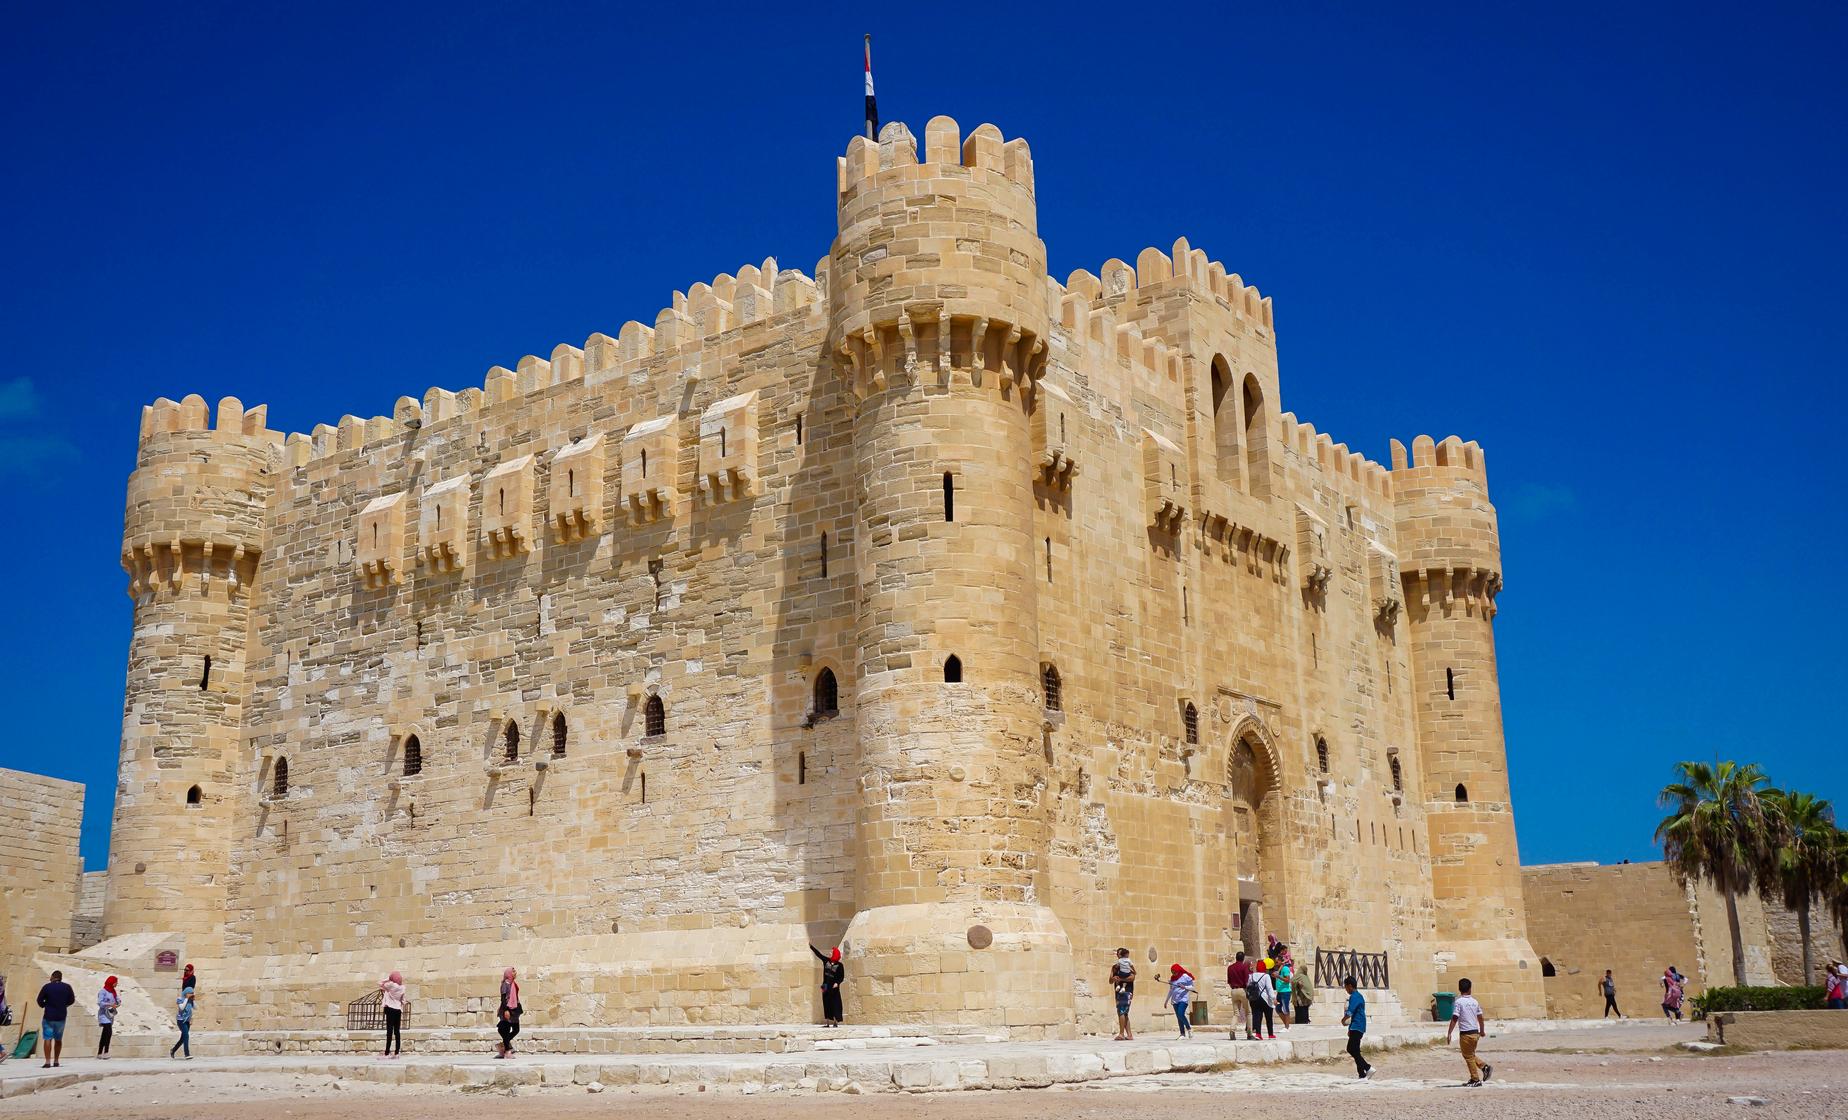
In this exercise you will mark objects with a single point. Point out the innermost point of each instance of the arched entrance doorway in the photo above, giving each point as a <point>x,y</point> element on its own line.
<point>1254,825</point>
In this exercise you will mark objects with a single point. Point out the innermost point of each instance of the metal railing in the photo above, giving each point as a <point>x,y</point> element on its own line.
<point>1369,970</point>
<point>367,1013</point>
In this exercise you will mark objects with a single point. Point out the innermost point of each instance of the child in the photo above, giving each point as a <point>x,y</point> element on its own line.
<point>1123,983</point>
<point>1355,1020</point>
<point>1468,1022</point>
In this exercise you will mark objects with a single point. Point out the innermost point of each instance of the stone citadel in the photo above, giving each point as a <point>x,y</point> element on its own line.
<point>976,621</point>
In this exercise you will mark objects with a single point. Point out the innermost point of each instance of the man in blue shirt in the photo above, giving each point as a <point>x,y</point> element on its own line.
<point>56,998</point>
<point>1356,1022</point>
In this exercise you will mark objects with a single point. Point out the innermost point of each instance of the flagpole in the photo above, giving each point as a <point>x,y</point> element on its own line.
<point>872,106</point>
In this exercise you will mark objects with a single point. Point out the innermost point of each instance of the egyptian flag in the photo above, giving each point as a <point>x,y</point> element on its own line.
<point>872,103</point>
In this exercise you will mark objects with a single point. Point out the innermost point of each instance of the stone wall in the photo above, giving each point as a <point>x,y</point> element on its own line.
<point>1633,919</point>
<point>40,822</point>
<point>87,922</point>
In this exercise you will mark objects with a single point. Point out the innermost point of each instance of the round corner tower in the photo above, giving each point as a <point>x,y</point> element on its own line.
<point>1450,561</point>
<point>940,314</point>
<point>192,539</point>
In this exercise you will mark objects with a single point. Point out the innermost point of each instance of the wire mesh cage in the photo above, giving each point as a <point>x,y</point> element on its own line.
<point>367,1013</point>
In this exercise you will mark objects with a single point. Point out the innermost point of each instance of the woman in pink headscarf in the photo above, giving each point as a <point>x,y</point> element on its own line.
<point>509,1015</point>
<point>393,987</point>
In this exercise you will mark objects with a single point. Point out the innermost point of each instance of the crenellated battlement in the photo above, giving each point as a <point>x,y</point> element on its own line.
<point>1320,451</point>
<point>191,415</point>
<point>1449,540</point>
<point>1453,456</point>
<point>727,312</point>
<point>1155,272</point>
<point>985,155</point>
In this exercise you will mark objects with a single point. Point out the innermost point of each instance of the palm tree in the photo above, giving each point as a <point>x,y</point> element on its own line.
<point>1803,863</point>
<point>1717,829</point>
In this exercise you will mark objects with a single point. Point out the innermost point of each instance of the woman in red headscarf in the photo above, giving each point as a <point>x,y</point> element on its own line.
<point>1180,993</point>
<point>832,973</point>
<point>106,1003</point>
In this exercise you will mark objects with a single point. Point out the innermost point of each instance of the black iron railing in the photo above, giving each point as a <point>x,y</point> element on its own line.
<point>1369,970</point>
<point>367,1013</point>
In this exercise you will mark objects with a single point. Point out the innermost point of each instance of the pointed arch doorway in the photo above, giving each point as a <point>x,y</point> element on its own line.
<point>1254,825</point>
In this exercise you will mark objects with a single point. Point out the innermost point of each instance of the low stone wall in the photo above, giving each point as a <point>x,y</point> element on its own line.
<point>1780,1030</point>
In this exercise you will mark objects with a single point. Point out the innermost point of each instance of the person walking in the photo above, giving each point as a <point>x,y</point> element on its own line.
<point>1609,987</point>
<point>1468,1023</point>
<point>1263,1000</point>
<point>1180,992</point>
<point>183,1016</point>
<point>1672,993</point>
<point>508,1017</point>
<point>1123,986</point>
<point>1285,982</point>
<point>107,1001</point>
<point>189,979</point>
<point>1355,1020</point>
<point>833,973</point>
<point>55,999</point>
<point>393,1000</point>
<point>1238,978</point>
<point>1835,991</point>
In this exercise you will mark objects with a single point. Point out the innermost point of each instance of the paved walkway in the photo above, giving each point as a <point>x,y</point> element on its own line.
<point>869,1062</point>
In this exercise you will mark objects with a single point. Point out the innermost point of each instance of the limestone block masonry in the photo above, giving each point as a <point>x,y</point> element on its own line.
<point>928,606</point>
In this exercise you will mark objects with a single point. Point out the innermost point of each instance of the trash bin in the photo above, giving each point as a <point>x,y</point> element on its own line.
<point>1196,1013</point>
<point>1443,1005</point>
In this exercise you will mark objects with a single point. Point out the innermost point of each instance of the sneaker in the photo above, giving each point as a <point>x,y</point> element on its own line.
<point>1487,1069</point>
<point>1273,1036</point>
<point>1472,1083</point>
<point>1367,1073</point>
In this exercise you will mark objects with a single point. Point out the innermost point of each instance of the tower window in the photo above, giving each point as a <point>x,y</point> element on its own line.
<point>1462,793</point>
<point>1398,776</point>
<point>1450,683</point>
<point>1546,968</point>
<point>1053,688</point>
<point>205,678</point>
<point>721,443</point>
<point>502,491</point>
<point>802,768</point>
<point>1191,719</point>
<point>798,429</point>
<point>824,556</point>
<point>654,717</point>
<point>827,695</point>
<point>644,462</point>
<point>1321,755</point>
<point>413,756</point>
<point>644,787</point>
<point>1048,559</point>
<point>952,669</point>
<point>558,735</point>
<point>279,780</point>
<point>570,484</point>
<point>512,741</point>
<point>193,797</point>
<point>949,496</point>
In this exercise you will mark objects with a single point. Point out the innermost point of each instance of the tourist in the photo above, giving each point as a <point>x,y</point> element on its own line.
<point>106,1003</point>
<point>1180,991</point>
<point>1263,993</point>
<point>6,1012</point>
<point>1355,1020</point>
<point>508,1017</point>
<point>55,998</point>
<point>1609,987</point>
<point>1123,984</point>
<point>393,1000</point>
<point>1835,990</point>
<point>833,972</point>
<point>1468,1023</point>
<point>184,1017</point>
<point>189,979</point>
<point>1286,976</point>
<point>1672,992</point>
<point>1238,978</point>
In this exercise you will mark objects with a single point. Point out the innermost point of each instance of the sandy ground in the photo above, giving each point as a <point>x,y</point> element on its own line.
<point>1622,1072</point>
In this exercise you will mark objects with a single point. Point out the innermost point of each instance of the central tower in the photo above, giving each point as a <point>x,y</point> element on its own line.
<point>940,316</point>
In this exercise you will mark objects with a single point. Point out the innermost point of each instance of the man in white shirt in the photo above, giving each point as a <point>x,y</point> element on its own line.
<point>1468,1023</point>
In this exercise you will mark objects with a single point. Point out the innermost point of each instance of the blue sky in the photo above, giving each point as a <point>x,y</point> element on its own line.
<point>1607,241</point>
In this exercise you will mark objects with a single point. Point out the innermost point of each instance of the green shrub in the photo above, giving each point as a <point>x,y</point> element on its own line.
<point>1757,999</point>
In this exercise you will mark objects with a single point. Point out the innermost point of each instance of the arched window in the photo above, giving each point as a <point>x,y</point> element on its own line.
<point>827,695</point>
<point>654,717</point>
<point>1546,968</point>
<point>952,669</point>
<point>512,740</point>
<point>1257,449</point>
<point>279,780</point>
<point>1052,687</point>
<point>1398,776</point>
<point>558,735</point>
<point>1462,793</point>
<point>949,496</point>
<point>1191,718</point>
<point>193,797</point>
<point>413,756</point>
<point>1450,683</point>
<point>1225,421</point>
<point>1321,755</point>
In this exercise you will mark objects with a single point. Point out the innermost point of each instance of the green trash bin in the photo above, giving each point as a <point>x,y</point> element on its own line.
<point>1196,1014</point>
<point>1443,1005</point>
